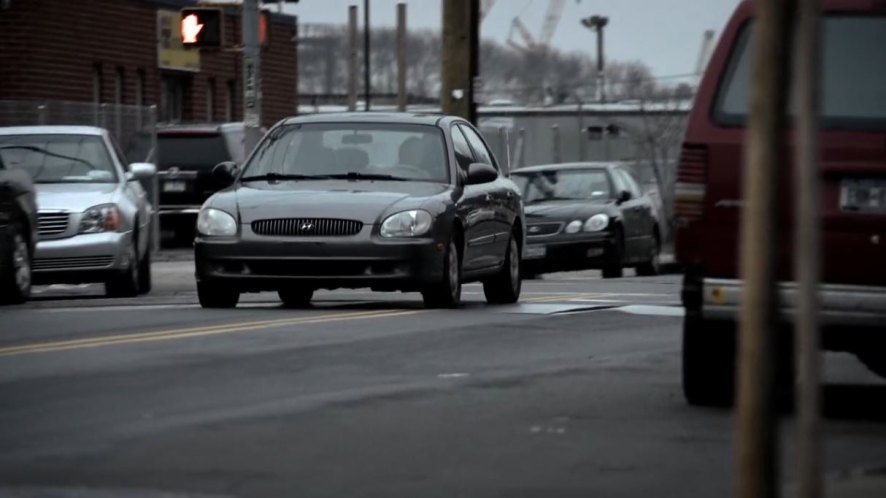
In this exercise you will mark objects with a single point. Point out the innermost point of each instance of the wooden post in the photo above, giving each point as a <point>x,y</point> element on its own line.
<point>353,57</point>
<point>756,432</point>
<point>459,58</point>
<point>807,245</point>
<point>401,57</point>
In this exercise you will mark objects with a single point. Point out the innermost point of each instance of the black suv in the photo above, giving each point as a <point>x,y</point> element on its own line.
<point>186,156</point>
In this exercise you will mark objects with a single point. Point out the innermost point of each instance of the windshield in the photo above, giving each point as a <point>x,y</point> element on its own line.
<point>589,184</point>
<point>192,151</point>
<point>59,158</point>
<point>854,69</point>
<point>412,152</point>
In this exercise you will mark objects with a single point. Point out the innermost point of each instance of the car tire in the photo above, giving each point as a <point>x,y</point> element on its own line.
<point>126,283</point>
<point>216,296</point>
<point>15,265</point>
<point>144,274</point>
<point>297,297</point>
<point>505,287</point>
<point>613,265</point>
<point>708,362</point>
<point>447,292</point>
<point>653,266</point>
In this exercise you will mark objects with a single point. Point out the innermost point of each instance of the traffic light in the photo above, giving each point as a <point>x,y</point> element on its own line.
<point>202,27</point>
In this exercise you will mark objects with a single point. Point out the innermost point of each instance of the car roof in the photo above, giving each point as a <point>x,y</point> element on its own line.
<point>199,128</point>
<point>565,166</point>
<point>52,130</point>
<point>372,117</point>
<point>852,5</point>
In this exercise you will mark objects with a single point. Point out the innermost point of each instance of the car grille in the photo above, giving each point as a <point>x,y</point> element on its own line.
<point>52,223</point>
<point>79,263</point>
<point>543,229</point>
<point>307,227</point>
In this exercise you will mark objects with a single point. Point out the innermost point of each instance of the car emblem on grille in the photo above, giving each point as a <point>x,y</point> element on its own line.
<point>534,229</point>
<point>306,227</point>
<point>173,171</point>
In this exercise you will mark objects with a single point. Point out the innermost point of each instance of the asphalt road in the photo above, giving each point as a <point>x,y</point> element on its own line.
<point>573,393</point>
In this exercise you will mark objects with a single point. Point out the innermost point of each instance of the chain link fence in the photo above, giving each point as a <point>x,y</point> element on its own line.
<point>132,127</point>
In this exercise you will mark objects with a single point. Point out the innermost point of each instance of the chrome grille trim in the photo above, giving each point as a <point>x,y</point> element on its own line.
<point>307,227</point>
<point>52,223</point>
<point>78,263</point>
<point>544,229</point>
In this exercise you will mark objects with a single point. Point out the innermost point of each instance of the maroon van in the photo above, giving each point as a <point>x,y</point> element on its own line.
<point>853,204</point>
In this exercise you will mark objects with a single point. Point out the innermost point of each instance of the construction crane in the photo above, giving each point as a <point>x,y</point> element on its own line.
<point>485,7</point>
<point>549,27</point>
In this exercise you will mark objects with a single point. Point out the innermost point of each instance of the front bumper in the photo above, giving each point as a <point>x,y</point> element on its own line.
<point>566,252</point>
<point>256,263</point>
<point>839,305</point>
<point>92,257</point>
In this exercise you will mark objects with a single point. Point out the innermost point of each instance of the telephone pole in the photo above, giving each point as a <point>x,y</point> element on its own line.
<point>353,57</point>
<point>461,29</point>
<point>401,57</point>
<point>252,95</point>
<point>756,431</point>
<point>598,23</point>
<point>366,69</point>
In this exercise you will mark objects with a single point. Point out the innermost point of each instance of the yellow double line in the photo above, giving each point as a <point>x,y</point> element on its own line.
<point>166,335</point>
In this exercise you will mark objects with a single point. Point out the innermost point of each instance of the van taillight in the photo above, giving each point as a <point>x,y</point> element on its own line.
<point>690,189</point>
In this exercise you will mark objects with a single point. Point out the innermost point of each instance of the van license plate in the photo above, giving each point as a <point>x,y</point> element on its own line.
<point>174,186</point>
<point>863,196</point>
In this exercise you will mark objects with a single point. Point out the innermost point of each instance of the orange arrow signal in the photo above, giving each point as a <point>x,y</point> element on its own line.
<point>191,27</point>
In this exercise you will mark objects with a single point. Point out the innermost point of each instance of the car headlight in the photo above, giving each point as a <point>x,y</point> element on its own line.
<point>573,227</point>
<point>596,223</point>
<point>215,222</point>
<point>407,224</point>
<point>103,218</point>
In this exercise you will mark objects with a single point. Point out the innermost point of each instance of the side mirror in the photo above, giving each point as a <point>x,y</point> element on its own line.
<point>141,171</point>
<point>479,173</point>
<point>225,173</point>
<point>624,196</point>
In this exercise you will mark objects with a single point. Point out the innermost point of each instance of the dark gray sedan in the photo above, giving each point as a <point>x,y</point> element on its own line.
<point>587,215</point>
<point>391,202</point>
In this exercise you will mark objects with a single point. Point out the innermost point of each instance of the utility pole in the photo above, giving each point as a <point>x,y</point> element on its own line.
<point>807,244</point>
<point>598,23</point>
<point>401,57</point>
<point>366,84</point>
<point>756,430</point>
<point>352,58</point>
<point>461,27</point>
<point>252,95</point>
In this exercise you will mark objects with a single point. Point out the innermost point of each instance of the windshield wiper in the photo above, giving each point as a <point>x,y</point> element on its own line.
<point>34,148</point>
<point>276,177</point>
<point>353,175</point>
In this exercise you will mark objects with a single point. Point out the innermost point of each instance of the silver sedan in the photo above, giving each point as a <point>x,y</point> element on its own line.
<point>94,216</point>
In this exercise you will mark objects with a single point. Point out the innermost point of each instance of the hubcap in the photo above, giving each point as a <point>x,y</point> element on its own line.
<point>453,269</point>
<point>21,263</point>
<point>514,256</point>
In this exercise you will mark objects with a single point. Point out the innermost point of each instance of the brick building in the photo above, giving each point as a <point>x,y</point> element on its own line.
<point>129,52</point>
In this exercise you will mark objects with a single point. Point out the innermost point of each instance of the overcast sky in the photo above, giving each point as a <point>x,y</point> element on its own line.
<point>665,34</point>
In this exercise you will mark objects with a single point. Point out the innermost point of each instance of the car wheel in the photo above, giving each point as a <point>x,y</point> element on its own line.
<point>708,362</point>
<point>447,292</point>
<point>15,266</point>
<point>614,259</point>
<point>126,283</point>
<point>505,287</point>
<point>215,295</point>
<point>296,297</point>
<point>144,274</point>
<point>653,266</point>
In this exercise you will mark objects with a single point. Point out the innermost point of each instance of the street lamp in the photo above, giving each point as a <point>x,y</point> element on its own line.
<point>597,23</point>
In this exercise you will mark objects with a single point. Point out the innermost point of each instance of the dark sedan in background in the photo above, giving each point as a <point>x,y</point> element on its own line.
<point>587,215</point>
<point>392,202</point>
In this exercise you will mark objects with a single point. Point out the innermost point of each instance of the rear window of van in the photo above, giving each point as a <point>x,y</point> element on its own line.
<point>854,76</point>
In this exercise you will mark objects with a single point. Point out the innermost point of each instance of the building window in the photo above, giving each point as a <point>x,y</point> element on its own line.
<point>119,86</point>
<point>97,86</point>
<point>172,99</point>
<point>210,100</point>
<point>229,101</point>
